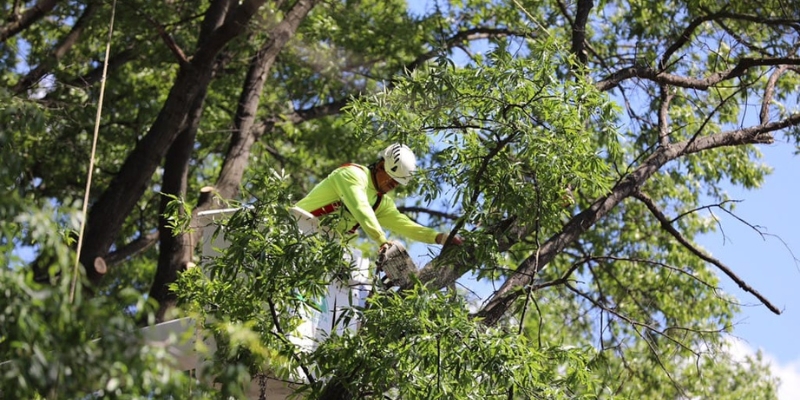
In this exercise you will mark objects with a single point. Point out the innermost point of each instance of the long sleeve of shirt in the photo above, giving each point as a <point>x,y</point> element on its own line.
<point>397,222</point>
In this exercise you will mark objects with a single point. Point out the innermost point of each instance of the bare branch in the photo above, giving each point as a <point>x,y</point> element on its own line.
<point>732,32</point>
<point>335,107</point>
<point>114,62</point>
<point>435,213</point>
<point>761,20</point>
<point>661,77</point>
<point>684,38</point>
<point>710,115</point>
<point>769,91</point>
<point>677,235</point>
<point>656,263</point>
<point>167,39</point>
<point>718,205</point>
<point>279,333</point>
<point>635,325</point>
<point>663,116</point>
<point>763,234</point>
<point>564,277</point>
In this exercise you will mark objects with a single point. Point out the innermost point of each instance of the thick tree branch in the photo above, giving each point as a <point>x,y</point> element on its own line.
<point>582,222</point>
<point>28,18</point>
<point>586,45</point>
<point>658,76</point>
<point>139,245</point>
<point>175,250</point>
<point>444,270</point>
<point>651,205</point>
<point>244,136</point>
<point>579,29</point>
<point>245,132</point>
<point>236,21</point>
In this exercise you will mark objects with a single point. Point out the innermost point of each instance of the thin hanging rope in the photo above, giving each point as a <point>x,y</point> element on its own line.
<point>91,158</point>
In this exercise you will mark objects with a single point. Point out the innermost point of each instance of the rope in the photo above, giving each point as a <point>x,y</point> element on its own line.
<point>91,158</point>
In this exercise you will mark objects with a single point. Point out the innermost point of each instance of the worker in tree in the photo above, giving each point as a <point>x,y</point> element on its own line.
<point>359,195</point>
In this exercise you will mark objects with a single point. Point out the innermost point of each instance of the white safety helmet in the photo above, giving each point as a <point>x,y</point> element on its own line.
<point>399,162</point>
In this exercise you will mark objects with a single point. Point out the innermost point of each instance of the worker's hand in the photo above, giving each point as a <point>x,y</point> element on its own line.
<point>456,240</point>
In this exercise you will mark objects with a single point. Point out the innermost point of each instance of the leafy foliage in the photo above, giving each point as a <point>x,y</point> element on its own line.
<point>576,146</point>
<point>440,352</point>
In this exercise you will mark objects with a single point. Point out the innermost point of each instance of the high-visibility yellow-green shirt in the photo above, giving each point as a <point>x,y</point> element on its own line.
<point>352,187</point>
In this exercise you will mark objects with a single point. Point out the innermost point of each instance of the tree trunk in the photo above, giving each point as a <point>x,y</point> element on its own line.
<point>109,212</point>
<point>175,251</point>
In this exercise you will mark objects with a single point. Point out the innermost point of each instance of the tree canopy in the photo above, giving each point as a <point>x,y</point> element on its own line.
<point>579,148</point>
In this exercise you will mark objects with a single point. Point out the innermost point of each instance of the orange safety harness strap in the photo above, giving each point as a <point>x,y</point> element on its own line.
<point>329,208</point>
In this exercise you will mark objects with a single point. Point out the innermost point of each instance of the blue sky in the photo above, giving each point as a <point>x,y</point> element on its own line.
<point>769,264</point>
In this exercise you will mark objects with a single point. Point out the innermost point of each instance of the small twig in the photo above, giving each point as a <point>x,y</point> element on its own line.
<point>656,263</point>
<point>541,322</point>
<point>565,277</point>
<point>718,205</point>
<point>707,120</point>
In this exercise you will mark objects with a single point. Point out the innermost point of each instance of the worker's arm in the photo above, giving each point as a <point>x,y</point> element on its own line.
<point>399,223</point>
<point>351,185</point>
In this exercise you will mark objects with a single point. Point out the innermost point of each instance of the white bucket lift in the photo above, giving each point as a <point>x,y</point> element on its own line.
<point>317,326</point>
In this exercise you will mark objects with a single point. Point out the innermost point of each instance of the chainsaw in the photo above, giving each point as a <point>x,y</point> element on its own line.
<point>397,266</point>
